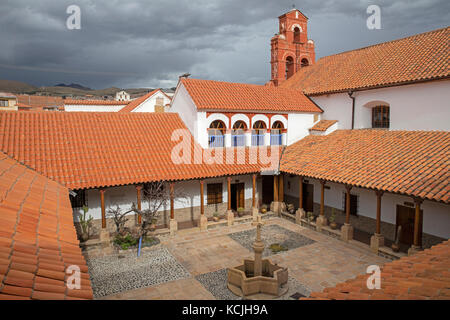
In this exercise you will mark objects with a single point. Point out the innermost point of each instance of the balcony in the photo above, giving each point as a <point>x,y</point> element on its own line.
<point>257,139</point>
<point>216,141</point>
<point>238,140</point>
<point>276,139</point>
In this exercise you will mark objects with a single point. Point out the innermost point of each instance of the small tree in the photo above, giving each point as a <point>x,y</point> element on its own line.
<point>85,224</point>
<point>119,218</point>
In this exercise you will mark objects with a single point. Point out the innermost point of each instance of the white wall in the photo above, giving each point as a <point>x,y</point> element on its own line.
<point>298,126</point>
<point>149,104</point>
<point>436,216</point>
<point>422,106</point>
<point>183,105</point>
<point>93,108</point>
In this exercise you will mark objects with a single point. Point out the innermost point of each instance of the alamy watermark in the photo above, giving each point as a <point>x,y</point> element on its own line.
<point>374,20</point>
<point>374,280</point>
<point>74,279</point>
<point>73,21</point>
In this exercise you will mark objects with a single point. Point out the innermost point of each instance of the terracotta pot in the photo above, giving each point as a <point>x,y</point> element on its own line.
<point>84,237</point>
<point>395,247</point>
<point>333,225</point>
<point>240,213</point>
<point>216,219</point>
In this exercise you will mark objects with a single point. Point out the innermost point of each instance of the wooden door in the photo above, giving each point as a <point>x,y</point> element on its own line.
<point>240,195</point>
<point>308,197</point>
<point>405,218</point>
<point>267,189</point>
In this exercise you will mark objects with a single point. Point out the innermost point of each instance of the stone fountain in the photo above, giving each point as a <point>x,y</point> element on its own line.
<point>258,278</point>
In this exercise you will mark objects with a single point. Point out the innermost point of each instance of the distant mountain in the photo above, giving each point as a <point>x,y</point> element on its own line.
<point>16,86</point>
<point>73,85</point>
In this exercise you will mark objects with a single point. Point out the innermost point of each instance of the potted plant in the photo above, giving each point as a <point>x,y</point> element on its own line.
<point>290,208</point>
<point>332,219</point>
<point>240,211</point>
<point>264,208</point>
<point>216,217</point>
<point>310,216</point>
<point>85,224</point>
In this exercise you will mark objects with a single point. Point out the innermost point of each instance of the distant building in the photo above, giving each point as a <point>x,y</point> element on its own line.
<point>8,101</point>
<point>122,96</point>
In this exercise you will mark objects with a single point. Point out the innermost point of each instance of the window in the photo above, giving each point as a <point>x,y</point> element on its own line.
<point>159,101</point>
<point>215,134</point>
<point>354,203</point>
<point>304,62</point>
<point>316,117</point>
<point>289,67</point>
<point>276,133</point>
<point>380,117</point>
<point>214,192</point>
<point>79,200</point>
<point>238,134</point>
<point>4,103</point>
<point>296,35</point>
<point>259,129</point>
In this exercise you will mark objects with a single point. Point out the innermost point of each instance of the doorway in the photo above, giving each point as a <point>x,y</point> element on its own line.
<point>405,219</point>
<point>267,189</point>
<point>237,196</point>
<point>308,197</point>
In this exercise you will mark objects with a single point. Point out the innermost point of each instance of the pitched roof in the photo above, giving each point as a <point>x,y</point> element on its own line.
<point>420,57</point>
<point>40,101</point>
<point>138,101</point>
<point>216,95</point>
<point>37,237</point>
<point>7,95</point>
<point>323,125</point>
<point>89,150</point>
<point>424,275</point>
<point>95,102</point>
<point>406,162</point>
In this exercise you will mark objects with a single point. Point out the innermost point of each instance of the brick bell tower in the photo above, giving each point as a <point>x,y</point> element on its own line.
<point>290,48</point>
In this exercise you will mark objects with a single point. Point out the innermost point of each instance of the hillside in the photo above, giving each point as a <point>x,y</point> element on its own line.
<point>16,86</point>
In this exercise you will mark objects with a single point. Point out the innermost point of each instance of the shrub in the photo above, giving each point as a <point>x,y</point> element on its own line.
<point>125,242</point>
<point>276,247</point>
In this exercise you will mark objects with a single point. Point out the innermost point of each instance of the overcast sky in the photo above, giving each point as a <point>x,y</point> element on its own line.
<point>149,43</point>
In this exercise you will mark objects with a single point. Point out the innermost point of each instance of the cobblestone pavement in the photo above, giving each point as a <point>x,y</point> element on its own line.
<point>322,263</point>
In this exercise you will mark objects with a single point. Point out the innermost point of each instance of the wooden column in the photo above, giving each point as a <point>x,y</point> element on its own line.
<point>102,202</point>
<point>275,188</point>
<point>379,193</point>
<point>229,193</point>
<point>202,199</point>
<point>254,190</point>
<point>138,199</point>
<point>280,188</point>
<point>322,197</point>
<point>417,222</point>
<point>172,211</point>
<point>347,204</point>
<point>300,193</point>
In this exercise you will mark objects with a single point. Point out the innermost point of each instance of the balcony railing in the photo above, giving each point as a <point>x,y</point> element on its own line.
<point>238,140</point>
<point>216,141</point>
<point>257,139</point>
<point>276,139</point>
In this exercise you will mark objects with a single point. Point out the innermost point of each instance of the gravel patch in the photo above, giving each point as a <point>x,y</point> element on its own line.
<point>216,283</point>
<point>271,234</point>
<point>117,273</point>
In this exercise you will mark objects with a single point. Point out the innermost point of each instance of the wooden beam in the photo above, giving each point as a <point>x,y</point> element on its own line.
<point>102,203</point>
<point>347,204</point>
<point>229,192</point>
<point>172,209</point>
<point>379,193</point>
<point>138,199</point>
<point>254,190</point>
<point>300,192</point>
<point>280,188</point>
<point>275,188</point>
<point>417,201</point>
<point>202,199</point>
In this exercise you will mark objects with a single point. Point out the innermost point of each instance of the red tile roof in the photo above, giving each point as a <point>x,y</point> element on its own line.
<point>37,237</point>
<point>422,276</point>
<point>138,101</point>
<point>88,150</point>
<point>406,162</point>
<point>323,125</point>
<point>216,95</point>
<point>420,57</point>
<point>40,101</point>
<point>95,102</point>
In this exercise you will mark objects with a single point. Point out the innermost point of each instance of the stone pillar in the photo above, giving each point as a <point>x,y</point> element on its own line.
<point>227,138</point>
<point>321,220</point>
<point>417,246</point>
<point>347,229</point>
<point>230,214</point>
<point>300,213</point>
<point>248,138</point>
<point>284,137</point>
<point>139,204</point>
<point>173,224</point>
<point>377,240</point>
<point>203,220</point>
<point>254,207</point>
<point>267,138</point>
<point>258,247</point>
<point>104,233</point>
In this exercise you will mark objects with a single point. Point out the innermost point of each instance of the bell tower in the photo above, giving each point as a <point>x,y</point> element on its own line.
<point>290,47</point>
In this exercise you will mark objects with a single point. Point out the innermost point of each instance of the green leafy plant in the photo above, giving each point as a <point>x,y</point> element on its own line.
<point>125,242</point>
<point>85,223</point>
<point>276,247</point>
<point>333,216</point>
<point>310,216</point>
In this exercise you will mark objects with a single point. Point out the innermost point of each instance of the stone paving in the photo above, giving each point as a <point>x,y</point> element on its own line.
<point>317,262</point>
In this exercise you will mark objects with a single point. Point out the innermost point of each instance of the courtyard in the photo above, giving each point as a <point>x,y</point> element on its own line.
<point>192,264</point>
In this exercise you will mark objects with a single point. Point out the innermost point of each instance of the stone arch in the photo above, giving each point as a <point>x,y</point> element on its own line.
<point>261,117</point>
<point>240,117</point>
<point>280,118</point>
<point>217,116</point>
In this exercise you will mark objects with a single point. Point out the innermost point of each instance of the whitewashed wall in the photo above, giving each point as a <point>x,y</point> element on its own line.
<point>149,104</point>
<point>124,196</point>
<point>436,216</point>
<point>298,126</point>
<point>93,108</point>
<point>423,106</point>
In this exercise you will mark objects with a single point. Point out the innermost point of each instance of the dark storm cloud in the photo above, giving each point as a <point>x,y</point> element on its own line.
<point>149,43</point>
